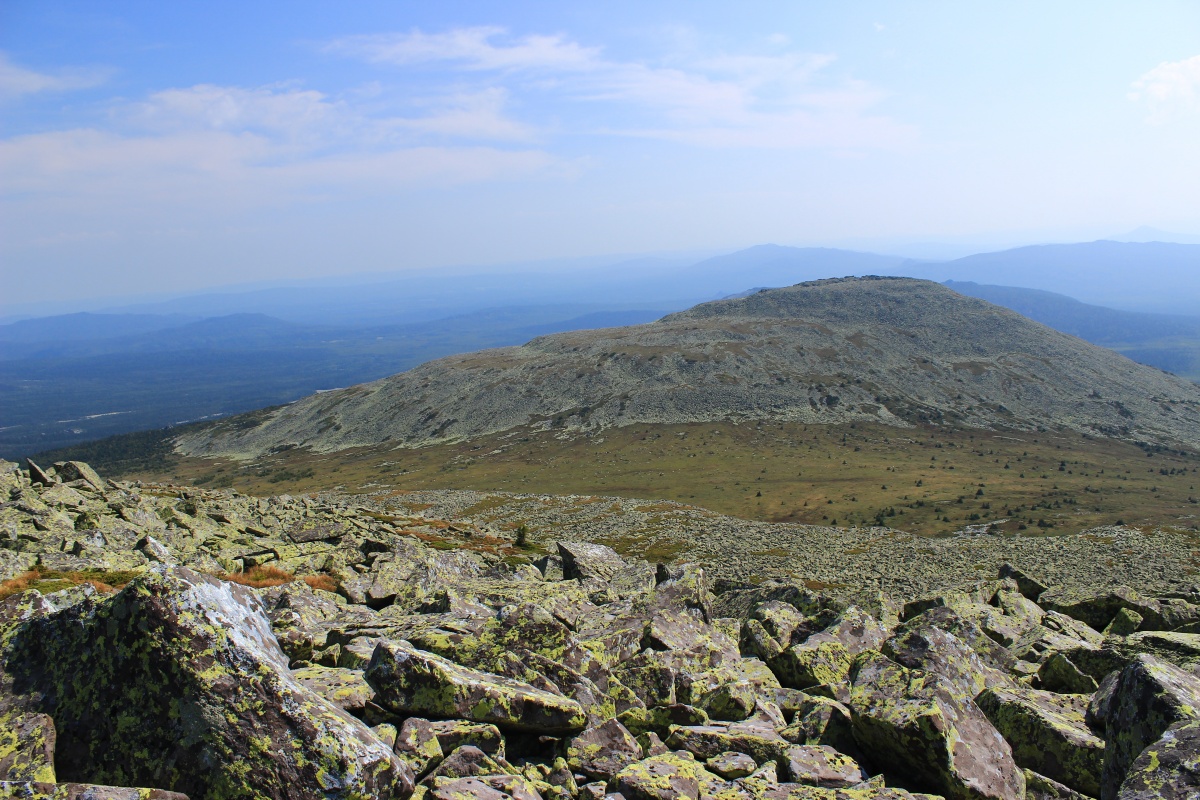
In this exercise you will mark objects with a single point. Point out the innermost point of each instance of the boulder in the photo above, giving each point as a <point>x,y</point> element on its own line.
<point>664,777</point>
<point>454,733</point>
<point>26,746</point>
<point>913,724</point>
<point>1039,787</point>
<point>933,650</point>
<point>821,720</point>
<point>1058,673</point>
<point>69,471</point>
<point>344,688</point>
<point>418,746</point>
<point>180,668</point>
<point>1147,698</point>
<point>408,681</point>
<point>818,765</point>
<point>732,766</point>
<point>34,790</point>
<point>1168,769</point>
<point>1048,734</point>
<point>585,561</point>
<point>603,751</point>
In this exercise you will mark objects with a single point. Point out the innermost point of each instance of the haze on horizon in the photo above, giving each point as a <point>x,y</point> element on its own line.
<point>150,147</point>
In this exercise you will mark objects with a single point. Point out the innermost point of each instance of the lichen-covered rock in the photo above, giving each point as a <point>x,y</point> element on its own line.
<point>731,701</point>
<point>934,650</point>
<point>1147,698</point>
<point>706,741</point>
<point>911,723</point>
<point>1039,787</point>
<point>35,790</point>
<point>467,761</point>
<point>820,720</point>
<point>418,746</point>
<point>345,688</point>
<point>454,733</point>
<point>732,766</point>
<point>1168,769</point>
<point>488,787</point>
<point>177,681</point>
<point>603,751</point>
<point>818,765</point>
<point>1058,673</point>
<point>825,657</point>
<point>409,681</point>
<point>1048,734</point>
<point>26,746</point>
<point>664,777</point>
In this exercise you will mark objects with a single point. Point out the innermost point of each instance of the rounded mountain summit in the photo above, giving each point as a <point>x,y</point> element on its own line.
<point>896,351</point>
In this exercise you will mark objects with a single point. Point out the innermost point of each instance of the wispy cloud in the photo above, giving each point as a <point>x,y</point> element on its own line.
<point>1170,90</point>
<point>787,99</point>
<point>16,81</point>
<point>470,48</point>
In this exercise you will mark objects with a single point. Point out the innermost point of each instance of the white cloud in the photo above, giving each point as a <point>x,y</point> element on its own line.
<point>1170,89</point>
<point>17,81</point>
<point>472,48</point>
<point>232,108</point>
<point>468,115</point>
<point>724,100</point>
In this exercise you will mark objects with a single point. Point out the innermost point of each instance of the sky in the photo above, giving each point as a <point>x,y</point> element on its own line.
<point>153,147</point>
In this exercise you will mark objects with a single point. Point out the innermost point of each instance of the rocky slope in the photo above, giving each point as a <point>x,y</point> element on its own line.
<point>890,350</point>
<point>477,671</point>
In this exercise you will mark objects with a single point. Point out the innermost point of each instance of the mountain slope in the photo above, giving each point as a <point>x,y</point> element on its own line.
<point>1166,341</point>
<point>1161,277</point>
<point>891,350</point>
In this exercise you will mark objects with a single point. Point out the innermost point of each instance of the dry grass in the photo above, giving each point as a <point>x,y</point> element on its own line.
<point>925,480</point>
<point>266,576</point>
<point>324,583</point>
<point>260,577</point>
<point>47,581</point>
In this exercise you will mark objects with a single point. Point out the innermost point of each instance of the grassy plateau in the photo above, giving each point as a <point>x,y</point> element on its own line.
<point>925,480</point>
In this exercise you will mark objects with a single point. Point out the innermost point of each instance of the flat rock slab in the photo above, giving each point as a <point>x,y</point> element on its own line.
<point>409,681</point>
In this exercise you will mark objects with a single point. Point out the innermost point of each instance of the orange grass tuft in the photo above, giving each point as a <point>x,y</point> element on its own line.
<point>260,577</point>
<point>325,583</point>
<point>46,581</point>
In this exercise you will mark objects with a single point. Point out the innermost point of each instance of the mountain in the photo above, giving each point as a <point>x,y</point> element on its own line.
<point>1166,341</point>
<point>1138,276</point>
<point>59,393</point>
<point>895,351</point>
<point>1148,234</point>
<point>85,326</point>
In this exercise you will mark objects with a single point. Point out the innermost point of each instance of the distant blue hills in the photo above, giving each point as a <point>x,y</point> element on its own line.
<point>73,378</point>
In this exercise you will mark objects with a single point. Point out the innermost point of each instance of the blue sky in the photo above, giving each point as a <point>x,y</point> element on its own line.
<point>150,146</point>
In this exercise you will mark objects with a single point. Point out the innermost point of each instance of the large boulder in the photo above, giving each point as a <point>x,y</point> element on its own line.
<point>1048,734</point>
<point>412,682</point>
<point>1169,769</point>
<point>26,746</point>
<point>178,682</point>
<point>601,752</point>
<point>1147,698</point>
<point>913,724</point>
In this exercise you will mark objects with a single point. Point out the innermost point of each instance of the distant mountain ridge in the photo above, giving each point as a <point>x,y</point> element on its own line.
<point>891,350</point>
